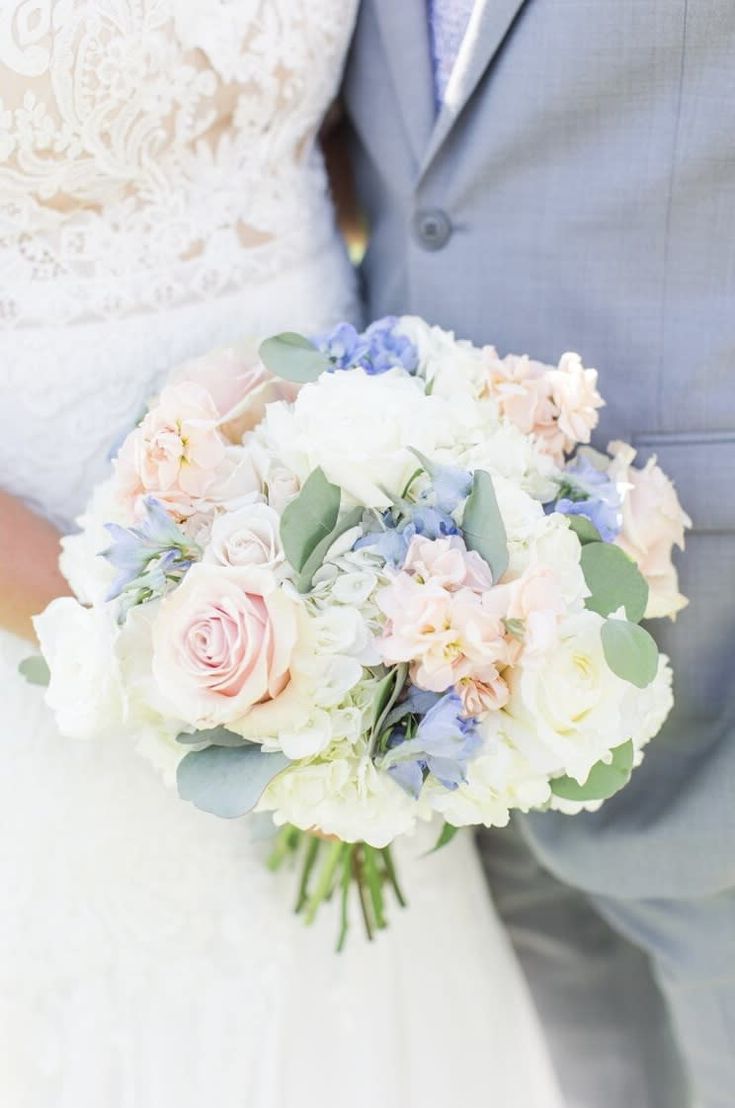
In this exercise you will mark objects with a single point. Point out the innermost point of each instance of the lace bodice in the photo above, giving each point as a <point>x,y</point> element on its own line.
<point>161,193</point>
<point>157,152</point>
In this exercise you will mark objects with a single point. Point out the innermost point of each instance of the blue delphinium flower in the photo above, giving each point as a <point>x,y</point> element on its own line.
<point>344,346</point>
<point>391,544</point>
<point>149,556</point>
<point>588,491</point>
<point>381,348</point>
<point>387,348</point>
<point>443,745</point>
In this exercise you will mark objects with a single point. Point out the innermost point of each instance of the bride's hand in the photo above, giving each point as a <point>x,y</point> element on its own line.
<point>29,566</point>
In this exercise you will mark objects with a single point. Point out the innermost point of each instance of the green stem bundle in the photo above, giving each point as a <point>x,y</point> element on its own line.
<point>328,867</point>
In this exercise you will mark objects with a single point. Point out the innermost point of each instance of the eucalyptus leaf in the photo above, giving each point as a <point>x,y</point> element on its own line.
<point>630,652</point>
<point>214,736</point>
<point>482,524</point>
<point>293,358</point>
<point>227,781</point>
<point>614,581</point>
<point>309,519</point>
<point>35,670</point>
<point>389,690</point>
<point>316,559</point>
<point>603,780</point>
<point>583,528</point>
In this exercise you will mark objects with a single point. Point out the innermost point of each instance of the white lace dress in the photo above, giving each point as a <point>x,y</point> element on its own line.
<point>161,193</point>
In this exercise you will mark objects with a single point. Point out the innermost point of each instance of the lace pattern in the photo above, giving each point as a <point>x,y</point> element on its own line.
<point>159,152</point>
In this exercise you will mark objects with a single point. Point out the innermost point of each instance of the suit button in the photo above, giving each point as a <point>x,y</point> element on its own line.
<point>433,229</point>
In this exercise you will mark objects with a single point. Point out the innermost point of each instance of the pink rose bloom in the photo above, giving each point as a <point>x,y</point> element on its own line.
<point>574,392</point>
<point>224,642</point>
<point>239,384</point>
<point>653,523</point>
<point>448,563</point>
<point>176,450</point>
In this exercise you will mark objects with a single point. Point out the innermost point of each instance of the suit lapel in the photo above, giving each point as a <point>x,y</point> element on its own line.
<point>489,24</point>
<point>404,28</point>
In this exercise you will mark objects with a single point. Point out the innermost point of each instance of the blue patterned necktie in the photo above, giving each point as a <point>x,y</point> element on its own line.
<point>448,21</point>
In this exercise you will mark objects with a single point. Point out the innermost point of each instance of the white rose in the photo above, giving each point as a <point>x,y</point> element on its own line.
<point>78,644</point>
<point>646,710</point>
<point>567,715</point>
<point>246,537</point>
<point>345,796</point>
<point>554,544</point>
<point>358,429</point>
<point>89,574</point>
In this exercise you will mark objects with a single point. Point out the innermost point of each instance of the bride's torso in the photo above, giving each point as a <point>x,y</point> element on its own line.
<point>161,192</point>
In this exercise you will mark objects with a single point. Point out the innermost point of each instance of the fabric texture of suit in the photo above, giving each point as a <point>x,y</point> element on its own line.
<point>577,190</point>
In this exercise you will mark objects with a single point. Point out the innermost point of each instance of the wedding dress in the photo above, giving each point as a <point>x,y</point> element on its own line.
<point>161,193</point>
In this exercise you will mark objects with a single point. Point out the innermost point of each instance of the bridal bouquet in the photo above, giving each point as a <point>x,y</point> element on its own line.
<point>361,580</point>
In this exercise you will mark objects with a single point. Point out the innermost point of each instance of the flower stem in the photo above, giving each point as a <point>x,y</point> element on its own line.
<point>312,852</point>
<point>390,872</point>
<point>345,905</point>
<point>325,881</point>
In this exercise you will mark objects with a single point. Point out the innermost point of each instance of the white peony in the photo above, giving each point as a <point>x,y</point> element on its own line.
<point>85,691</point>
<point>358,428</point>
<point>568,714</point>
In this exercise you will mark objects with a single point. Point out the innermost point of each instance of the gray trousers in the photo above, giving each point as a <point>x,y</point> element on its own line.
<point>635,997</point>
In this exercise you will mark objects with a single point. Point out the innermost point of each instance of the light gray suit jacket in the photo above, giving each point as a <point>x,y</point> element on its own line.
<point>578,192</point>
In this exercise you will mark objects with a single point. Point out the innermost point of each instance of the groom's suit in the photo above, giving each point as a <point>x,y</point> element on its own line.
<point>577,190</point>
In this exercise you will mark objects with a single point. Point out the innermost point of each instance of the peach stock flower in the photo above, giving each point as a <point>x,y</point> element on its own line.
<point>557,405</point>
<point>653,523</point>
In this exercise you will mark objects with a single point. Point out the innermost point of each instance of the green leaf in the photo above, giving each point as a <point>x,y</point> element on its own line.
<point>309,518</point>
<point>448,832</point>
<point>583,528</point>
<point>389,690</point>
<point>482,524</point>
<point>293,358</point>
<point>227,781</point>
<point>214,736</point>
<point>316,559</point>
<point>630,652</point>
<point>603,780</point>
<point>35,670</point>
<point>614,581</point>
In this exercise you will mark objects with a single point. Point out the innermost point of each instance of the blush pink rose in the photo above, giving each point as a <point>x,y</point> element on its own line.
<point>653,523</point>
<point>239,384</point>
<point>224,643</point>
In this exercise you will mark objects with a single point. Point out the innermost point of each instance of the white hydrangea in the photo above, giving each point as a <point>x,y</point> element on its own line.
<point>451,366</point>
<point>348,797</point>
<point>90,575</point>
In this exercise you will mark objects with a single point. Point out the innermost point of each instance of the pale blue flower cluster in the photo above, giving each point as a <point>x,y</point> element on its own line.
<point>588,491</point>
<point>150,556</point>
<point>380,348</point>
<point>443,744</point>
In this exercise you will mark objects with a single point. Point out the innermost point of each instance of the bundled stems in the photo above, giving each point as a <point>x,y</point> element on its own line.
<point>329,867</point>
